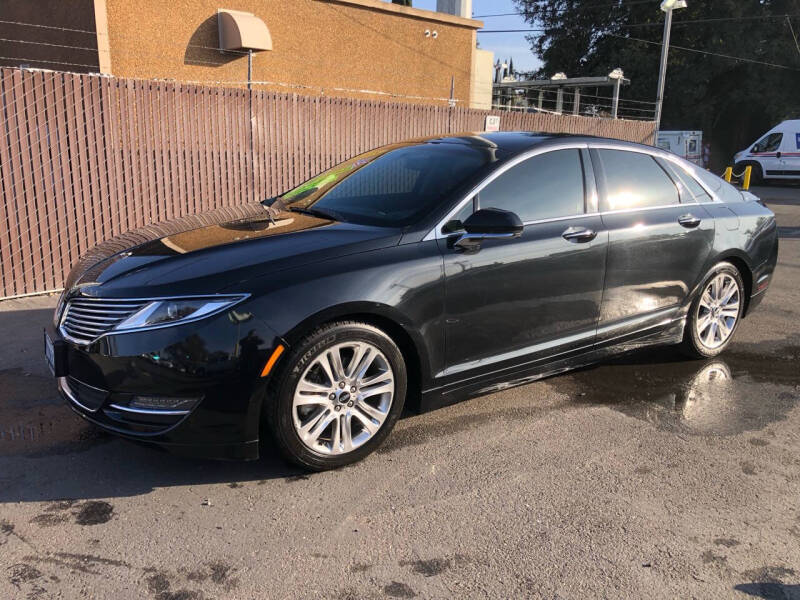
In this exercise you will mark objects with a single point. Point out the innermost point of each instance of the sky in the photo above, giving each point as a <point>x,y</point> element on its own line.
<point>504,45</point>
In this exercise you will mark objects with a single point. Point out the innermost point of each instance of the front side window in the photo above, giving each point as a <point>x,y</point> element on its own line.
<point>635,180</point>
<point>546,186</point>
<point>392,186</point>
<point>769,143</point>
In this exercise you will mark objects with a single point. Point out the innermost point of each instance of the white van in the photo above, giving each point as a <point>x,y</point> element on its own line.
<point>775,156</point>
<point>686,144</point>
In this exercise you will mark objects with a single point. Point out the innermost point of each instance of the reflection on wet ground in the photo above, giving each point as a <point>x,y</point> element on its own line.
<point>739,391</point>
<point>35,421</point>
<point>735,392</point>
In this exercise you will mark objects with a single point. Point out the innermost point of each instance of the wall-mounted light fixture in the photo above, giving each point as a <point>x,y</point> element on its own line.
<point>239,30</point>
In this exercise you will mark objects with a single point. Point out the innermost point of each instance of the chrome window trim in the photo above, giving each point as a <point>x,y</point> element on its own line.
<point>657,153</point>
<point>555,219</point>
<point>145,301</point>
<point>436,232</point>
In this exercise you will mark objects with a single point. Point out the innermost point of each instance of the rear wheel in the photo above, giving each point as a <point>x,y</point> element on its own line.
<point>756,175</point>
<point>715,313</point>
<point>338,396</point>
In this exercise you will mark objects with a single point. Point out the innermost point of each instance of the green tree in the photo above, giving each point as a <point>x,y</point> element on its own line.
<point>731,101</point>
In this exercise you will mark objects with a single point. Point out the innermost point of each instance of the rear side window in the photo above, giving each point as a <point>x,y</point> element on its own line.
<point>546,186</point>
<point>696,192</point>
<point>635,180</point>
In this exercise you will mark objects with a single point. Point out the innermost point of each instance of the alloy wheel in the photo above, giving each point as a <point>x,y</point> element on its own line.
<point>718,310</point>
<point>343,397</point>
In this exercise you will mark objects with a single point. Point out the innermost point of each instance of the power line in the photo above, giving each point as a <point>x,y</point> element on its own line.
<point>614,5</point>
<point>48,44</point>
<point>48,27</point>
<point>712,20</point>
<point>717,54</point>
<point>789,23</point>
<point>655,24</point>
<point>53,62</point>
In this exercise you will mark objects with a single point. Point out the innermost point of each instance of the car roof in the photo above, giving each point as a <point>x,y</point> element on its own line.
<point>511,143</point>
<point>508,144</point>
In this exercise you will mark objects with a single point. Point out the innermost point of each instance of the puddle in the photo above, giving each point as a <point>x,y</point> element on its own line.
<point>736,392</point>
<point>742,390</point>
<point>35,421</point>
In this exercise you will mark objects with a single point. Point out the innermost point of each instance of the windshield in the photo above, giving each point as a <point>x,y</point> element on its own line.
<point>393,186</point>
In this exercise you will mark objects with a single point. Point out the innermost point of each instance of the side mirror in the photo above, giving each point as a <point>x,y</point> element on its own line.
<point>488,223</point>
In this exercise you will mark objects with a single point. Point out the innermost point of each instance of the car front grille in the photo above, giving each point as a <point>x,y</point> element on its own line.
<point>85,319</point>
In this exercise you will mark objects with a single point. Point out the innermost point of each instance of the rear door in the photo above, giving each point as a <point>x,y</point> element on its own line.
<point>538,295</point>
<point>658,244</point>
<point>790,155</point>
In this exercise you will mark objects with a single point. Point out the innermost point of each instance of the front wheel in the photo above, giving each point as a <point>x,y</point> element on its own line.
<point>338,395</point>
<point>715,313</point>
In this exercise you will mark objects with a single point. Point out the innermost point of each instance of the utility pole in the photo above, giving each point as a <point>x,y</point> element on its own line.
<point>667,6</point>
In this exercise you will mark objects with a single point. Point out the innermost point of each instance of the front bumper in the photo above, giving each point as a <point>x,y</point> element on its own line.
<point>216,361</point>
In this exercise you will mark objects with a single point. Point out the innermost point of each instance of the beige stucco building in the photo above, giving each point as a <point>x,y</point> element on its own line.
<point>353,48</point>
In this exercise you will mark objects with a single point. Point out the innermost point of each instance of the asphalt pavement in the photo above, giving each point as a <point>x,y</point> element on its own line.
<point>649,476</point>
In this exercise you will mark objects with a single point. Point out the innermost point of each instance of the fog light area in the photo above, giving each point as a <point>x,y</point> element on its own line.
<point>163,403</point>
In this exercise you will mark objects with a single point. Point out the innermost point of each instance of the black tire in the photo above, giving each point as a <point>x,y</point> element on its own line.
<point>693,345</point>
<point>279,404</point>
<point>757,174</point>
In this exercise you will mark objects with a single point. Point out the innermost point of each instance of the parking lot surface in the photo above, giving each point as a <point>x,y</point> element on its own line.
<point>649,476</point>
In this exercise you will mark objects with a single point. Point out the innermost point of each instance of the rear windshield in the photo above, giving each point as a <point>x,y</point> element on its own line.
<point>393,186</point>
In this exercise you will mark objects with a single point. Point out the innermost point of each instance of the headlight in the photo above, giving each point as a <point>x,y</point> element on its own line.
<point>174,311</point>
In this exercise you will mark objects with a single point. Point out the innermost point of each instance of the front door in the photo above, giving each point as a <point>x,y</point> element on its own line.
<point>767,150</point>
<point>535,296</point>
<point>657,244</point>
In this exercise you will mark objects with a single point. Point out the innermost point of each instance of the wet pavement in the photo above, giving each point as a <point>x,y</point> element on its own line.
<point>646,476</point>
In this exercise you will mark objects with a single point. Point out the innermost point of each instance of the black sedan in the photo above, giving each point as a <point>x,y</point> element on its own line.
<point>422,272</point>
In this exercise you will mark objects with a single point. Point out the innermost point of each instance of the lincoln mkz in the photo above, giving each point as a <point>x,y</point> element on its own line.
<point>416,274</point>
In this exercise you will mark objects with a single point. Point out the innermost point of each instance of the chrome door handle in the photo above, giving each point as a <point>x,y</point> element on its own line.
<point>689,221</point>
<point>579,235</point>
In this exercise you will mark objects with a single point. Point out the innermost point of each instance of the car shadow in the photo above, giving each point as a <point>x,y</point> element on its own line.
<point>113,467</point>
<point>770,590</point>
<point>48,453</point>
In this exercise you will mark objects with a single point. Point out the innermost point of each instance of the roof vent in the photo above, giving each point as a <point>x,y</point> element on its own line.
<point>240,30</point>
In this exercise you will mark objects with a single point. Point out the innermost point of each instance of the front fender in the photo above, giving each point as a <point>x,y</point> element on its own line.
<point>402,285</point>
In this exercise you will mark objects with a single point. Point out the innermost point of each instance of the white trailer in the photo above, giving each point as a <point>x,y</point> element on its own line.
<point>686,144</point>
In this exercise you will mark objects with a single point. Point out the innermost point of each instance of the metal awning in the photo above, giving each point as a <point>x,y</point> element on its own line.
<point>239,30</point>
<point>570,82</point>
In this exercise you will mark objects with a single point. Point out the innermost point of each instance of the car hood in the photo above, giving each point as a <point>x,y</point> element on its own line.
<point>215,250</point>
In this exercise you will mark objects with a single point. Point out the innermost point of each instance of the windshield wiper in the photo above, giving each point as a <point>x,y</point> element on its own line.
<point>317,212</point>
